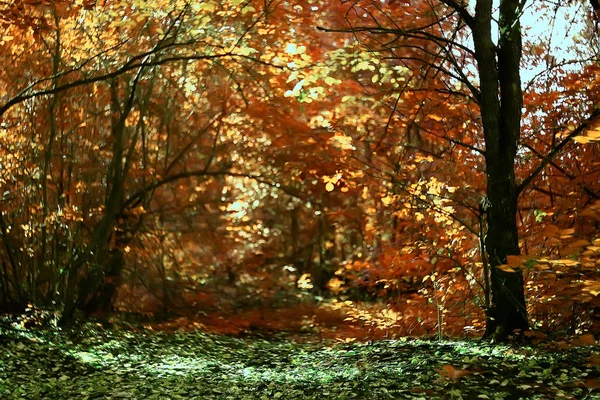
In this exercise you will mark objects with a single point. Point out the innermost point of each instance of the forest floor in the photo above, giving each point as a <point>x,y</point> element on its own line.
<point>137,362</point>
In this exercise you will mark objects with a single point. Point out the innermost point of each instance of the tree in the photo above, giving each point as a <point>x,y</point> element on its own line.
<point>150,150</point>
<point>460,57</point>
<point>115,142</point>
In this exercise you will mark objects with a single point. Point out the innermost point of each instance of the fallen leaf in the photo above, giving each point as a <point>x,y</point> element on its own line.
<point>592,383</point>
<point>536,336</point>
<point>453,373</point>
<point>594,360</point>
<point>562,345</point>
<point>585,340</point>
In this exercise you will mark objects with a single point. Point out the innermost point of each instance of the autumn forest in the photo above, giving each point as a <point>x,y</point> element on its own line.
<point>313,184</point>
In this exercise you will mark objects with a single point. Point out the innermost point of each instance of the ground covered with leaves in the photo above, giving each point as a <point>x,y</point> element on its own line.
<point>94,363</point>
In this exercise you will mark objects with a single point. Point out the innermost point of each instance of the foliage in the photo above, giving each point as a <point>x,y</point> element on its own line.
<point>193,159</point>
<point>97,363</point>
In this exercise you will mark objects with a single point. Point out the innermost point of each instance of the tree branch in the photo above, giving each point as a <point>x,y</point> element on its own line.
<point>548,158</point>
<point>462,11</point>
<point>190,174</point>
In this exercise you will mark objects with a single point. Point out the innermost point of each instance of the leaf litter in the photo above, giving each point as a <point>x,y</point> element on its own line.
<point>93,363</point>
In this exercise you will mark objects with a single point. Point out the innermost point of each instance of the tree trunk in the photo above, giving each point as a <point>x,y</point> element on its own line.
<point>98,251</point>
<point>100,300</point>
<point>501,102</point>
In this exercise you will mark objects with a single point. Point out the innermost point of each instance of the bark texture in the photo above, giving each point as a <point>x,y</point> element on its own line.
<point>501,104</point>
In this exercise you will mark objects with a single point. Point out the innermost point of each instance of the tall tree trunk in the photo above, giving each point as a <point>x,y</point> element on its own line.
<point>501,102</point>
<point>81,292</point>
<point>100,297</point>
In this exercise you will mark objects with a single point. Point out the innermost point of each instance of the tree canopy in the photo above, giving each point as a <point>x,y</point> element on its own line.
<point>421,168</point>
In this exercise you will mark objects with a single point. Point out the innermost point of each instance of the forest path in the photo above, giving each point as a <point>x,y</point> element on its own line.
<point>144,364</point>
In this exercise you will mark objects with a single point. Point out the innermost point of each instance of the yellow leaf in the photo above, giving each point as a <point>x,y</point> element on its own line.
<point>335,285</point>
<point>506,268</point>
<point>564,232</point>
<point>582,139</point>
<point>330,81</point>
<point>329,187</point>
<point>246,51</point>
<point>567,262</point>
<point>361,66</point>
<point>594,134</point>
<point>200,6</point>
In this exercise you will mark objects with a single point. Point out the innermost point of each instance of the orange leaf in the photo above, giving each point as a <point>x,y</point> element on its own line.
<point>585,340</point>
<point>579,243</point>
<point>592,383</point>
<point>536,336</point>
<point>506,268</point>
<point>594,360</point>
<point>550,230</point>
<point>453,373</point>
<point>562,345</point>
<point>567,232</point>
<point>588,212</point>
<point>515,261</point>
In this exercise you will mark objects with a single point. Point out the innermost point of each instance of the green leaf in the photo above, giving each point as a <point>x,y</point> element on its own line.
<point>246,51</point>
<point>248,9</point>
<point>203,6</point>
<point>330,81</point>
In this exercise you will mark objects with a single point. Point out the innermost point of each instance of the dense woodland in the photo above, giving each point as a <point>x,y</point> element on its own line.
<point>182,158</point>
<point>342,170</point>
<point>308,172</point>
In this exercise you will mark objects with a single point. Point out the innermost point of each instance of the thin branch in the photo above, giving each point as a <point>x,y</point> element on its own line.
<point>203,173</point>
<point>193,141</point>
<point>128,66</point>
<point>563,171</point>
<point>461,9</point>
<point>548,158</point>
<point>413,34</point>
<point>593,59</point>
